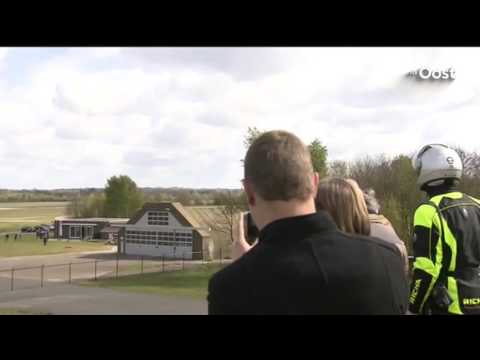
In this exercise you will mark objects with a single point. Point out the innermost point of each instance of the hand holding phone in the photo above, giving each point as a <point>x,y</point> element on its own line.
<point>244,235</point>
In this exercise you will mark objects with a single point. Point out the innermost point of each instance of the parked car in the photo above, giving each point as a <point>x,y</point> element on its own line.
<point>27,229</point>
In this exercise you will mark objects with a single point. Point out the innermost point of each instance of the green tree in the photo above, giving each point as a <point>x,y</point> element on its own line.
<point>471,172</point>
<point>92,205</point>
<point>122,197</point>
<point>394,181</point>
<point>318,153</point>
<point>394,212</point>
<point>74,207</point>
<point>95,205</point>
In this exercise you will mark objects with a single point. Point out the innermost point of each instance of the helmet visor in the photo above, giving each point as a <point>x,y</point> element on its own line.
<point>417,161</point>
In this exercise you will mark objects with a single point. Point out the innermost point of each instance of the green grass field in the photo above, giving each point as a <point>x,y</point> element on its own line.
<point>187,283</point>
<point>14,216</point>
<point>28,245</point>
<point>12,311</point>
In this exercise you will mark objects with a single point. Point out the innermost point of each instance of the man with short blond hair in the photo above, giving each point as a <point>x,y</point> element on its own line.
<point>302,263</point>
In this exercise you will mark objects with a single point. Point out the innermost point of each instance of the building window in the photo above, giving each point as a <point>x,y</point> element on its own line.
<point>160,238</point>
<point>183,239</point>
<point>157,218</point>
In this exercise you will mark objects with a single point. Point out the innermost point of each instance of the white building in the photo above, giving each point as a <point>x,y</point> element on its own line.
<point>165,229</point>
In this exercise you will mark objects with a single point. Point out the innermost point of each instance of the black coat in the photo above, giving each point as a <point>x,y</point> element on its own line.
<point>305,265</point>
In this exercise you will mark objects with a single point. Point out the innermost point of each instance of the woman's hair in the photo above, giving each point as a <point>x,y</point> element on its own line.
<point>343,200</point>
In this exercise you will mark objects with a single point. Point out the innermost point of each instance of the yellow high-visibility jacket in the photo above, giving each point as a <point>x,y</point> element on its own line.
<point>453,258</point>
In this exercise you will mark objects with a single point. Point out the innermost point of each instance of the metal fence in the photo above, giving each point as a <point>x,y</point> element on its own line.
<point>17,278</point>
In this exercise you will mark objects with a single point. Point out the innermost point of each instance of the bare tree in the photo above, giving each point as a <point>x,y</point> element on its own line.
<point>338,168</point>
<point>229,206</point>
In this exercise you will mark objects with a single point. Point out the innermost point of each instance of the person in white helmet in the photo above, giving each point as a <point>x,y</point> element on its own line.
<point>446,242</point>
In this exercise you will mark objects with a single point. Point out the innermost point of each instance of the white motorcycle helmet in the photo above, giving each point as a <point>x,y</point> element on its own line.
<point>436,162</point>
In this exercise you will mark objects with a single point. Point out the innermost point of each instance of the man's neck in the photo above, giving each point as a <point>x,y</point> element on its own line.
<point>276,210</point>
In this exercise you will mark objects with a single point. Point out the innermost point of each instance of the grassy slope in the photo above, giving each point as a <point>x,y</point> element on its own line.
<point>188,283</point>
<point>28,245</point>
<point>13,216</point>
<point>12,311</point>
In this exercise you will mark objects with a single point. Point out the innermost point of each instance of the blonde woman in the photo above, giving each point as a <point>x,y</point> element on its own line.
<point>347,204</point>
<point>338,197</point>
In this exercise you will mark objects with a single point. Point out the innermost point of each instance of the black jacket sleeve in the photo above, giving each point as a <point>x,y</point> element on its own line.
<point>426,267</point>
<point>215,304</point>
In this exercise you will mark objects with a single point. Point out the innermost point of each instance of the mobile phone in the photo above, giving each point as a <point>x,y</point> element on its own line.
<point>251,230</point>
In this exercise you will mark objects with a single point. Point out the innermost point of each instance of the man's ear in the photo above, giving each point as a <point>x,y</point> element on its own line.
<point>250,193</point>
<point>315,181</point>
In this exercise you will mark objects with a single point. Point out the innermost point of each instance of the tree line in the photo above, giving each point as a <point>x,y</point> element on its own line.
<point>392,178</point>
<point>121,197</point>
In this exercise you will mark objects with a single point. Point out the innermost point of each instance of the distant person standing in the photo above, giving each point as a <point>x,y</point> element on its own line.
<point>45,238</point>
<point>6,237</point>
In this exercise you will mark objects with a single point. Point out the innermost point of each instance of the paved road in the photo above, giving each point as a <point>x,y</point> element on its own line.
<point>38,260</point>
<point>58,297</point>
<point>76,300</point>
<point>57,268</point>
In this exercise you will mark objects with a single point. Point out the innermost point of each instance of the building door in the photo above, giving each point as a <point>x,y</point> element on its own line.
<point>75,232</point>
<point>87,232</point>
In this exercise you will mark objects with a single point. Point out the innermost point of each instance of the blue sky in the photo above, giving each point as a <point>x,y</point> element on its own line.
<point>20,63</point>
<point>72,117</point>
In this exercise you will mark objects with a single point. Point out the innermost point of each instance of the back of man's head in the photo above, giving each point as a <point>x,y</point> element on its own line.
<point>279,168</point>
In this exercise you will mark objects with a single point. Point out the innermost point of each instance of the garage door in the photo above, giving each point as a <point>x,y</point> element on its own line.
<point>171,244</point>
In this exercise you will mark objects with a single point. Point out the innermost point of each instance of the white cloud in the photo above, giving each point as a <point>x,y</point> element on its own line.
<point>177,117</point>
<point>240,63</point>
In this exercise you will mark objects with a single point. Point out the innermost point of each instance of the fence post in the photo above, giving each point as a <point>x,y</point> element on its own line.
<point>11,282</point>
<point>70,273</point>
<point>141,262</point>
<point>95,270</point>
<point>41,276</point>
<point>116,271</point>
